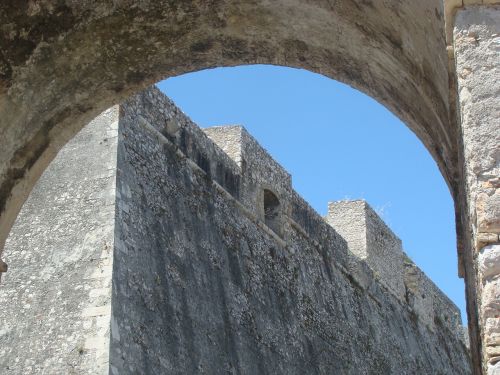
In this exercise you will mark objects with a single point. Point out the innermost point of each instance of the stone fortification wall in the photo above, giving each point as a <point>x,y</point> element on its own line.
<point>259,171</point>
<point>429,303</point>
<point>202,285</point>
<point>55,303</point>
<point>372,241</point>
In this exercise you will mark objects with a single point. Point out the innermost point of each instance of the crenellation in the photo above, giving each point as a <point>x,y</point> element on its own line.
<point>229,138</point>
<point>370,239</point>
<point>211,260</point>
<point>259,171</point>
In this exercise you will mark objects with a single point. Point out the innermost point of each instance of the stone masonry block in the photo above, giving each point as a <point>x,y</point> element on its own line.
<point>489,261</point>
<point>369,238</point>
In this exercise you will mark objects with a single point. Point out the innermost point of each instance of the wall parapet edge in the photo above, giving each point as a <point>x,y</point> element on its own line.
<point>228,162</point>
<point>375,244</point>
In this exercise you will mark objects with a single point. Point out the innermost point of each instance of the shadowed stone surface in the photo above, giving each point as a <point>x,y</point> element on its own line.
<point>62,63</point>
<point>200,283</point>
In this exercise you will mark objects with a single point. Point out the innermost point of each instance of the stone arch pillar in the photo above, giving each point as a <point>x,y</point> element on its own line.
<point>62,64</point>
<point>473,31</point>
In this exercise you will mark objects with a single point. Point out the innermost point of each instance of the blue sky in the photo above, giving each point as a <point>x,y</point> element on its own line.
<point>337,143</point>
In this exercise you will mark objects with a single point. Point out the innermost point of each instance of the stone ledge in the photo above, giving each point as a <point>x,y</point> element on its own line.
<point>484,239</point>
<point>450,9</point>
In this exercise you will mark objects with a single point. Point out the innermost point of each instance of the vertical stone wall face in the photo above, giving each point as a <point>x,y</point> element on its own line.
<point>55,301</point>
<point>258,169</point>
<point>229,138</point>
<point>198,282</point>
<point>201,285</point>
<point>477,57</point>
<point>349,220</point>
<point>386,252</point>
<point>370,239</point>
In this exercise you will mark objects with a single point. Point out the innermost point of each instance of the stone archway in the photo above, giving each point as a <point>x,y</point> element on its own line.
<point>62,64</point>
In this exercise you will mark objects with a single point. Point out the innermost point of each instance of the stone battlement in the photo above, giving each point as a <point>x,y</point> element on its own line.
<point>176,249</point>
<point>261,175</point>
<point>367,237</point>
<point>372,241</point>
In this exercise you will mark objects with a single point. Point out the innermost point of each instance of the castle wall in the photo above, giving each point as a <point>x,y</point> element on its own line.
<point>429,303</point>
<point>55,303</point>
<point>370,239</point>
<point>258,169</point>
<point>54,77</point>
<point>202,285</point>
<point>373,242</point>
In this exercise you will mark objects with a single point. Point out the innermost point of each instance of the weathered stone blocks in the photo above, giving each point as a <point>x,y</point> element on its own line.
<point>370,239</point>
<point>489,267</point>
<point>214,283</point>
<point>476,47</point>
<point>476,40</point>
<point>488,208</point>
<point>55,303</point>
<point>489,261</point>
<point>200,283</point>
<point>491,298</point>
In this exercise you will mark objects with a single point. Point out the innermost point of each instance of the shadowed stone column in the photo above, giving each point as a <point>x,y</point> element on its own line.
<point>477,56</point>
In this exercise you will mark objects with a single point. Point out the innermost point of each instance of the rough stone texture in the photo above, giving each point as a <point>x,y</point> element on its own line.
<point>370,239</point>
<point>477,41</point>
<point>428,302</point>
<point>489,262</point>
<point>63,62</point>
<point>230,139</point>
<point>201,285</point>
<point>349,220</point>
<point>258,169</point>
<point>477,47</point>
<point>55,302</point>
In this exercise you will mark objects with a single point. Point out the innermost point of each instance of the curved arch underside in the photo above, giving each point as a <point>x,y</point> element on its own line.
<point>62,63</point>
